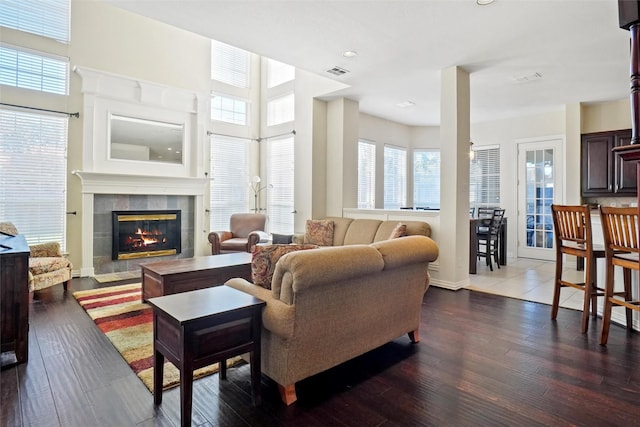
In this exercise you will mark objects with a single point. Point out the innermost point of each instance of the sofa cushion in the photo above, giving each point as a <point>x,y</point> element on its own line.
<point>319,232</point>
<point>400,230</point>
<point>264,259</point>
<point>42,265</point>
<point>340,227</point>
<point>362,232</point>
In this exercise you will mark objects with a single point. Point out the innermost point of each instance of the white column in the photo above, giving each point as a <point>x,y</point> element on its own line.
<point>453,271</point>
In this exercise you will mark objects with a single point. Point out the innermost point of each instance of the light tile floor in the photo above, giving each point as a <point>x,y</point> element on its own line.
<point>527,279</point>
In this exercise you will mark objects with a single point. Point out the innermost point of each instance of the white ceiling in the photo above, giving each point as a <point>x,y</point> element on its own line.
<point>576,45</point>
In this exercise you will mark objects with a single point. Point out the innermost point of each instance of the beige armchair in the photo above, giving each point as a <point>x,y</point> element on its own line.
<point>47,265</point>
<point>245,231</point>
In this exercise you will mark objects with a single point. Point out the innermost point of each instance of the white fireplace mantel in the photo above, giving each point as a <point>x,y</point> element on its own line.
<point>110,183</point>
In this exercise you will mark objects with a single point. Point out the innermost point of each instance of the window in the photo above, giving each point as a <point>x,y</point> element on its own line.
<point>48,18</point>
<point>278,73</point>
<point>33,174</point>
<point>280,177</point>
<point>395,177</point>
<point>366,175</point>
<point>484,180</point>
<point>230,110</point>
<point>33,70</point>
<point>280,110</point>
<point>229,180</point>
<point>229,64</point>
<point>426,178</point>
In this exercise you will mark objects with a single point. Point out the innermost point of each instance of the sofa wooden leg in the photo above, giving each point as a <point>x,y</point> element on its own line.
<point>414,336</point>
<point>65,285</point>
<point>288,393</point>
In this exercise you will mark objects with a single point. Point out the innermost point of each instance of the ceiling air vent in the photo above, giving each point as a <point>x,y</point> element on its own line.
<point>338,71</point>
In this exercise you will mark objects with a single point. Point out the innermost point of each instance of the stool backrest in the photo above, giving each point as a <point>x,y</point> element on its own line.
<point>620,229</point>
<point>572,223</point>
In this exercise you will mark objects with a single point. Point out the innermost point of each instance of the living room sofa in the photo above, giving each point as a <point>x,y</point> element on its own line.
<point>331,304</point>
<point>350,231</point>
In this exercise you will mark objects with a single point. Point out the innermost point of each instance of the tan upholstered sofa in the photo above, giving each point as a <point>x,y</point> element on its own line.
<point>331,304</point>
<point>349,231</point>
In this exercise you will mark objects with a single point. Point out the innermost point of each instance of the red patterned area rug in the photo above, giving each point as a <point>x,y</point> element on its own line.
<point>128,323</point>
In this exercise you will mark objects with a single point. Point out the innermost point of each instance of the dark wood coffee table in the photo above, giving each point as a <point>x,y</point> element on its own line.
<point>189,274</point>
<point>196,329</point>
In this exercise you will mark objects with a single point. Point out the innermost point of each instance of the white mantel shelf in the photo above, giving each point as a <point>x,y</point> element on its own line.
<point>109,183</point>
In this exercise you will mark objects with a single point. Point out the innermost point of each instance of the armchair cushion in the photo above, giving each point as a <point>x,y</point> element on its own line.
<point>51,249</point>
<point>42,265</point>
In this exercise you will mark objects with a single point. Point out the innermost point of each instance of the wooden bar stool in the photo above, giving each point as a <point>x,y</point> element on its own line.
<point>572,226</point>
<point>619,226</point>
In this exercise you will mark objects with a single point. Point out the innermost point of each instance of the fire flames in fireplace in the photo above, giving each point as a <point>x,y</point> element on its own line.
<point>138,234</point>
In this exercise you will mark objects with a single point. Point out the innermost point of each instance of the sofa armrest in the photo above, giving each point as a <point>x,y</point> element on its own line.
<point>216,237</point>
<point>256,237</point>
<point>41,250</point>
<point>277,316</point>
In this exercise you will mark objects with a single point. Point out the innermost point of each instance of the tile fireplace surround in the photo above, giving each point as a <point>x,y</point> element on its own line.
<point>104,204</point>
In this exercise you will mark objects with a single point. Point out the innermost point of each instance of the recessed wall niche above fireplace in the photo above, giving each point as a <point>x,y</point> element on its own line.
<point>143,234</point>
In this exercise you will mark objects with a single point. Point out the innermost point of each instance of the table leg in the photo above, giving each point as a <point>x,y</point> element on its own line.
<point>255,357</point>
<point>223,369</point>
<point>186,392</point>
<point>158,371</point>
<point>473,246</point>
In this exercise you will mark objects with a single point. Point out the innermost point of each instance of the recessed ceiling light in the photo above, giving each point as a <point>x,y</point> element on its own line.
<point>484,2</point>
<point>405,104</point>
<point>349,53</point>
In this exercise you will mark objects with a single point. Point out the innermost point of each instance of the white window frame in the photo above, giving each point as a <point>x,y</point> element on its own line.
<point>431,175</point>
<point>227,115</point>
<point>281,109</point>
<point>395,177</point>
<point>47,18</point>
<point>230,65</point>
<point>484,179</point>
<point>31,69</point>
<point>366,174</point>
<point>280,191</point>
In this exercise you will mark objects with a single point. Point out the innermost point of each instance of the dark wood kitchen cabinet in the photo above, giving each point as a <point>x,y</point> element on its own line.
<point>602,172</point>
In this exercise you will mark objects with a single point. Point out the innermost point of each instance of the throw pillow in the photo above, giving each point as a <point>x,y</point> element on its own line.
<point>281,239</point>
<point>319,232</point>
<point>264,259</point>
<point>399,231</point>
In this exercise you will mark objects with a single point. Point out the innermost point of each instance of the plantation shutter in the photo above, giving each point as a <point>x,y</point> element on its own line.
<point>229,180</point>
<point>426,178</point>
<point>484,180</point>
<point>33,174</point>
<point>395,177</point>
<point>48,18</point>
<point>229,64</point>
<point>366,175</point>
<point>280,178</point>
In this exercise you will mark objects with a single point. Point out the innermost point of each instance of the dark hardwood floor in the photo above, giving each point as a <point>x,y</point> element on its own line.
<point>484,360</point>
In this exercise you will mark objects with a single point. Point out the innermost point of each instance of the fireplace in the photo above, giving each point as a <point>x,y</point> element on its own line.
<point>149,233</point>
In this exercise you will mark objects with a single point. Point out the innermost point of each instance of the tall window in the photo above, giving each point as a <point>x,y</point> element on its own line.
<point>229,180</point>
<point>48,18</point>
<point>395,177</point>
<point>426,178</point>
<point>280,177</point>
<point>229,64</point>
<point>278,73</point>
<point>228,109</point>
<point>366,175</point>
<point>280,110</point>
<point>33,174</point>
<point>484,180</point>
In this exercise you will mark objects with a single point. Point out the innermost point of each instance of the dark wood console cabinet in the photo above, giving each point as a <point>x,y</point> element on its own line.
<point>14,299</point>
<point>602,173</point>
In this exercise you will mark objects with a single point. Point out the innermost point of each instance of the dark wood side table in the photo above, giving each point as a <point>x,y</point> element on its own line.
<point>188,274</point>
<point>14,300</point>
<point>197,328</point>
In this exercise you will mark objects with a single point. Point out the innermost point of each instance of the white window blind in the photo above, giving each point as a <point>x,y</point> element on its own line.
<point>228,109</point>
<point>426,178</point>
<point>280,110</point>
<point>33,70</point>
<point>279,73</point>
<point>484,179</point>
<point>48,18</point>
<point>229,180</point>
<point>366,175</point>
<point>280,177</point>
<point>33,174</point>
<point>395,177</point>
<point>229,64</point>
